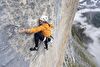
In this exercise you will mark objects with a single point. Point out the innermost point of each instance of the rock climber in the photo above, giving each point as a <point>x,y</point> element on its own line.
<point>41,33</point>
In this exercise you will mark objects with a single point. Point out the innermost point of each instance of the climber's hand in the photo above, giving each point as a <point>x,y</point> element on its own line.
<point>22,30</point>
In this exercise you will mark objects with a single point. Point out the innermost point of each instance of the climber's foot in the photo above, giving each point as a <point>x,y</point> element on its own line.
<point>46,48</point>
<point>34,49</point>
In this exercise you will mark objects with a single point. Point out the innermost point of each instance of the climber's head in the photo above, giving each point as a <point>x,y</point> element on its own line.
<point>43,19</point>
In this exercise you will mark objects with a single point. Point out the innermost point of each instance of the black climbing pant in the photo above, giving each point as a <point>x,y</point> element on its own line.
<point>40,37</point>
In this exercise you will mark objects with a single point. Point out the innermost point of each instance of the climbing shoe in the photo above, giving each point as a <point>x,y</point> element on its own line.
<point>46,48</point>
<point>34,49</point>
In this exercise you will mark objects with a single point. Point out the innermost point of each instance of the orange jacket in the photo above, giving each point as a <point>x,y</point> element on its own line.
<point>44,28</point>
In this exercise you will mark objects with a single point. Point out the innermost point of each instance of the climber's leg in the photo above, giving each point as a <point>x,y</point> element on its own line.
<point>37,36</point>
<point>46,42</point>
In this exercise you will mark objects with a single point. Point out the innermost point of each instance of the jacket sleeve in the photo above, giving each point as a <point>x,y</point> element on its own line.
<point>35,29</point>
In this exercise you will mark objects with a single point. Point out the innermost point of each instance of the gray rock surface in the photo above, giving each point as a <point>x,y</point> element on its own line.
<point>14,14</point>
<point>14,47</point>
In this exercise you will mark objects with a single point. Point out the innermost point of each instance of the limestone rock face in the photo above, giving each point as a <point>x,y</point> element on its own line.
<point>14,47</point>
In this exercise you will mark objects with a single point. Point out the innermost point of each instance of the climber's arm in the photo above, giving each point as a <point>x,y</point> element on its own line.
<point>35,29</point>
<point>32,30</point>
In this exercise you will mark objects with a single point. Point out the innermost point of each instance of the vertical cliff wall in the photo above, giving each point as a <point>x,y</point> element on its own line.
<point>14,47</point>
<point>64,27</point>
